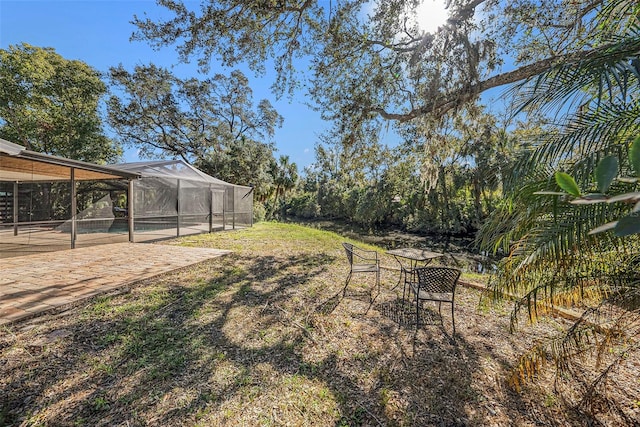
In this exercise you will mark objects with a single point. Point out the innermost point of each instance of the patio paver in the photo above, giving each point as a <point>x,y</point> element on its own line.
<point>33,284</point>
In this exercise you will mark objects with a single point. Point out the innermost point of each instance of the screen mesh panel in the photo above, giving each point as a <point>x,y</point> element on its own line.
<point>170,198</point>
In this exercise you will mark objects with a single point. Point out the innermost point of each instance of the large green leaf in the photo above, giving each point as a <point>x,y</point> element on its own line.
<point>634,155</point>
<point>605,172</point>
<point>567,183</point>
<point>628,225</point>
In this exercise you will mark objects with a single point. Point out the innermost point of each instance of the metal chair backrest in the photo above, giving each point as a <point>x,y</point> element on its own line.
<point>438,280</point>
<point>348,247</point>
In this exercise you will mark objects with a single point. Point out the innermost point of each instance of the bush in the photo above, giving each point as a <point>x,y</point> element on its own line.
<point>259,212</point>
<point>304,206</point>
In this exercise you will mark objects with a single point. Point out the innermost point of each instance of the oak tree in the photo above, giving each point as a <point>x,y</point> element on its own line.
<point>51,104</point>
<point>371,60</point>
<point>161,114</point>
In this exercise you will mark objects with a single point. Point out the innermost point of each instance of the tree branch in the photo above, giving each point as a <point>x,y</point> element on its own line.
<point>439,105</point>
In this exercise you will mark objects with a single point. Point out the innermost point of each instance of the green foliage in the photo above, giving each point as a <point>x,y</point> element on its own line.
<point>399,198</point>
<point>161,114</point>
<point>259,212</point>
<point>284,176</point>
<point>634,155</point>
<point>371,206</point>
<point>243,162</point>
<point>51,105</point>
<point>605,172</point>
<point>554,258</point>
<point>422,188</point>
<point>628,225</point>
<point>100,403</point>
<point>567,183</point>
<point>305,206</point>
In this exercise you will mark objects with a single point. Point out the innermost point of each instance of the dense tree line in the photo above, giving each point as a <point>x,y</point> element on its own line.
<point>393,186</point>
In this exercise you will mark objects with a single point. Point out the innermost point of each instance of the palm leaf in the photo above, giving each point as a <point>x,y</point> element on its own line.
<point>610,68</point>
<point>551,256</point>
<point>594,134</point>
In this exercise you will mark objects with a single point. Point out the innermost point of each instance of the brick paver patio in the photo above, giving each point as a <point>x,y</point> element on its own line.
<point>33,284</point>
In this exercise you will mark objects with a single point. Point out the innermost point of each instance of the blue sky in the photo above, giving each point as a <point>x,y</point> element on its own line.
<point>97,32</point>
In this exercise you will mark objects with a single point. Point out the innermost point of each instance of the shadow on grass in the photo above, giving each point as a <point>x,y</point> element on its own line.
<point>404,314</point>
<point>259,340</point>
<point>328,306</point>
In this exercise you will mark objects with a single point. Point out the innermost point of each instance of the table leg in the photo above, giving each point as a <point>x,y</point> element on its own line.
<point>401,271</point>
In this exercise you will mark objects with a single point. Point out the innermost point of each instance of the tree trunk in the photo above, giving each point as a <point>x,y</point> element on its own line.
<point>445,197</point>
<point>477,197</point>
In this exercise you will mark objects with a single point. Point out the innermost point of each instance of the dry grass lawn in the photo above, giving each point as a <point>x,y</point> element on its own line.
<point>264,337</point>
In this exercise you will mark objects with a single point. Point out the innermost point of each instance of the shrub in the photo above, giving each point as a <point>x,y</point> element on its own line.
<point>304,206</point>
<point>259,212</point>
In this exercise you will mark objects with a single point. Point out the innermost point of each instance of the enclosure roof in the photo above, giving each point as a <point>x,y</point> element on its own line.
<point>176,169</point>
<point>22,165</point>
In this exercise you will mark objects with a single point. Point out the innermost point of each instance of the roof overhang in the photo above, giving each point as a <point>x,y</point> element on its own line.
<point>18,164</point>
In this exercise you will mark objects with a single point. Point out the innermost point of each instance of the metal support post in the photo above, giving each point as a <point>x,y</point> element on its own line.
<point>130,217</point>
<point>210,209</point>
<point>178,208</point>
<point>15,208</point>
<point>74,208</point>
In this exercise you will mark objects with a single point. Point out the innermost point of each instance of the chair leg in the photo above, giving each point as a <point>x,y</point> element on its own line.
<point>405,290</point>
<point>372,290</point>
<point>453,319</point>
<point>417,312</point>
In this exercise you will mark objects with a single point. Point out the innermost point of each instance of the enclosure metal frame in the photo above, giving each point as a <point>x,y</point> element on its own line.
<point>19,165</point>
<point>15,158</point>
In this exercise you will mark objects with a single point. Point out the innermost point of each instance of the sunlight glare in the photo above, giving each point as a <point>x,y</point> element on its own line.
<point>431,14</point>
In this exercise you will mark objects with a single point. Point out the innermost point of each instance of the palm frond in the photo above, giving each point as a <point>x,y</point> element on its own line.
<point>606,74</point>
<point>610,344</point>
<point>552,259</point>
<point>594,133</point>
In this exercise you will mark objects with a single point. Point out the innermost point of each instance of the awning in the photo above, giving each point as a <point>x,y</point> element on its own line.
<point>18,164</point>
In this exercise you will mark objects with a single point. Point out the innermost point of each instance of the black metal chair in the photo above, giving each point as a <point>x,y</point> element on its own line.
<point>434,284</point>
<point>361,261</point>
